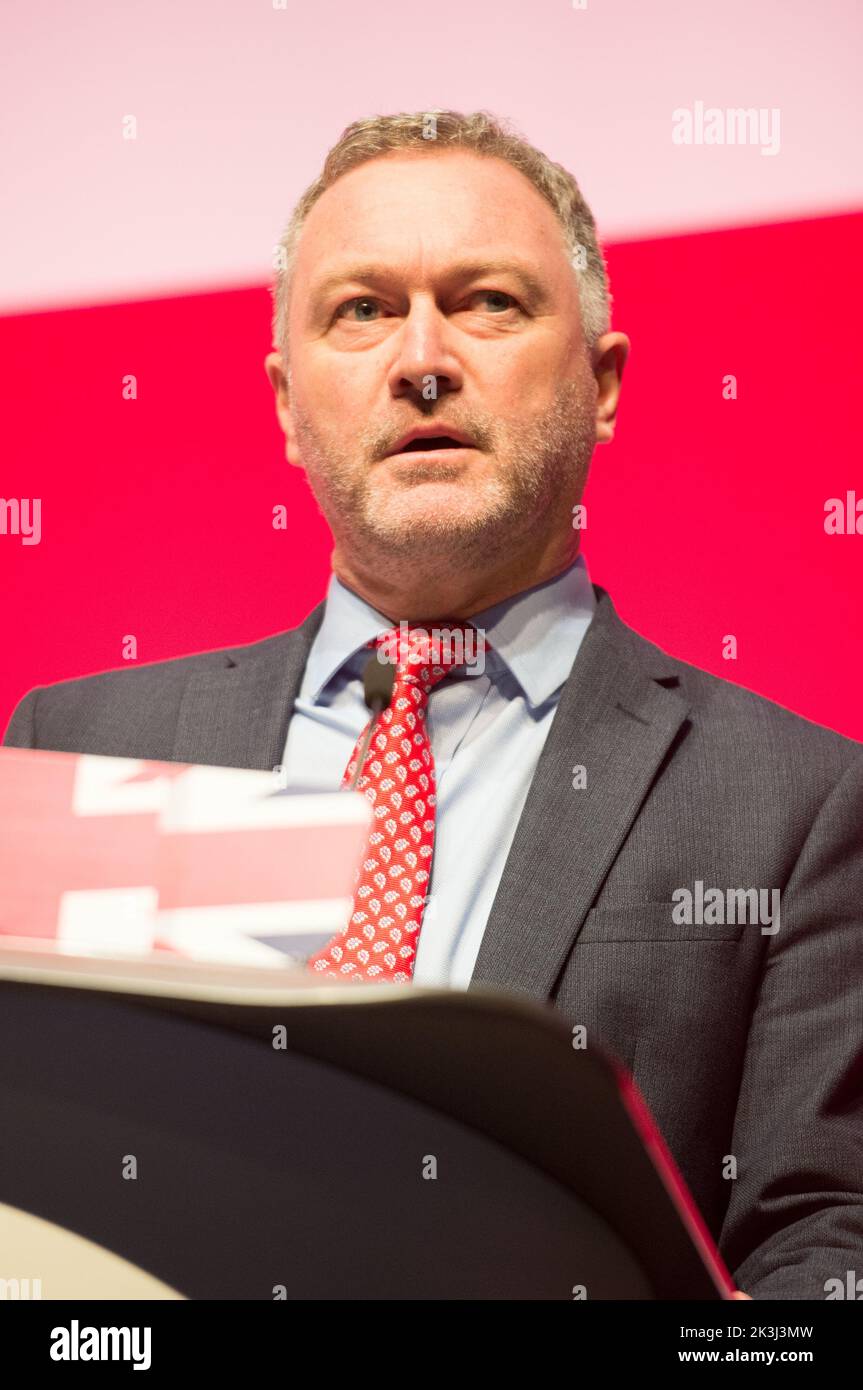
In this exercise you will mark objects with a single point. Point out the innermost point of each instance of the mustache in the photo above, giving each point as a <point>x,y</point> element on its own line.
<point>380,442</point>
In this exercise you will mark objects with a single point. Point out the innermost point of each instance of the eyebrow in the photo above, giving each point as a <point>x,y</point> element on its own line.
<point>463,270</point>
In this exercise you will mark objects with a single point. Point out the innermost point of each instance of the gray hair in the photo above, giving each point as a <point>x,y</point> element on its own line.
<point>485,135</point>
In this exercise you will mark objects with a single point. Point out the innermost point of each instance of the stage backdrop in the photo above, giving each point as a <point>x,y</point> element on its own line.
<point>150,159</point>
<point>705,518</point>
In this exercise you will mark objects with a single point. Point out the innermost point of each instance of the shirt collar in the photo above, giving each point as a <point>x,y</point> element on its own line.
<point>536,634</point>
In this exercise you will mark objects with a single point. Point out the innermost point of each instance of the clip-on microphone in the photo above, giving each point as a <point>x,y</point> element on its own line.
<point>378,680</point>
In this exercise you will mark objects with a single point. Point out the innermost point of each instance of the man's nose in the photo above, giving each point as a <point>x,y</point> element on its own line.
<point>425,362</point>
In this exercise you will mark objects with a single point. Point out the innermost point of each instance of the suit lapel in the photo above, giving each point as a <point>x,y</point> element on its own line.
<point>614,718</point>
<point>237,715</point>
<point>618,722</point>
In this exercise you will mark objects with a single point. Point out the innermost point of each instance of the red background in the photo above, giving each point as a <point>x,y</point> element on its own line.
<point>705,517</point>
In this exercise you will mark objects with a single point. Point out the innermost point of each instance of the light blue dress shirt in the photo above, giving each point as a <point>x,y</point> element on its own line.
<point>487,733</point>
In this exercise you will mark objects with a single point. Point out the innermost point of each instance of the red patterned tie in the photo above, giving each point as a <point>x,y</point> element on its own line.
<point>398,777</point>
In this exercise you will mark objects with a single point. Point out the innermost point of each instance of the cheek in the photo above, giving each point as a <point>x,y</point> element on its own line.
<point>321,405</point>
<point>332,384</point>
<point>338,397</point>
<point>522,380</point>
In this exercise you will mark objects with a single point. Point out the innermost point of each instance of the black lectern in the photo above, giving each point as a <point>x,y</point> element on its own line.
<point>260,1138</point>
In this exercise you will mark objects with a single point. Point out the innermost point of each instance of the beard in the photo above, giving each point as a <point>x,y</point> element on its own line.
<point>533,472</point>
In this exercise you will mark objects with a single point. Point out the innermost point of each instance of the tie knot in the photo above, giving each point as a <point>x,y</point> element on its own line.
<point>427,654</point>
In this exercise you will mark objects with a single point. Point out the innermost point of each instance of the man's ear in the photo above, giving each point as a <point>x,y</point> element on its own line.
<point>609,359</point>
<point>280,381</point>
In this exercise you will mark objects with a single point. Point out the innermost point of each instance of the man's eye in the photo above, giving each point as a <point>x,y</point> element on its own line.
<point>364,307</point>
<point>497,300</point>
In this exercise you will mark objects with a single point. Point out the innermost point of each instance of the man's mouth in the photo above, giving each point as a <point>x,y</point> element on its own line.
<point>424,442</point>
<point>437,442</point>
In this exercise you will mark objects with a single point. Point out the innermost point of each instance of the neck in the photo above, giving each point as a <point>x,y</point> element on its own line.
<point>398,589</point>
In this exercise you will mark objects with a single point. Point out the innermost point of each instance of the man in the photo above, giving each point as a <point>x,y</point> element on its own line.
<point>444,369</point>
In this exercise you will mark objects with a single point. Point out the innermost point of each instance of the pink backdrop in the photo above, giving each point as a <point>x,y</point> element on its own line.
<point>705,517</point>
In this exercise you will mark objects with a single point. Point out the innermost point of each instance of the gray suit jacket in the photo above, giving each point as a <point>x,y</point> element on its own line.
<point>746,1046</point>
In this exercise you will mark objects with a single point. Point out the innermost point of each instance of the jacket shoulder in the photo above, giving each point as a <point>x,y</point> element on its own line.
<point>743,714</point>
<point>744,723</point>
<point>151,690</point>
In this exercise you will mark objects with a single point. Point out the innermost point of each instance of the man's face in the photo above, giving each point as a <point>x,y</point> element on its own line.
<point>434,293</point>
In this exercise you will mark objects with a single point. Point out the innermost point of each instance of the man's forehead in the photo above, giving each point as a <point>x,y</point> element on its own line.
<point>448,205</point>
